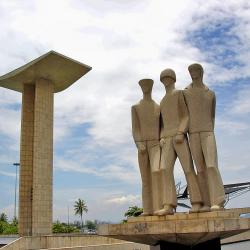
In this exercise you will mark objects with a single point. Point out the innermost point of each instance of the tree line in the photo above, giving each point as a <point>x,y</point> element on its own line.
<point>80,207</point>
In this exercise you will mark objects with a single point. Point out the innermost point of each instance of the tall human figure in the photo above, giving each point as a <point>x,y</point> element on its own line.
<point>201,103</point>
<point>174,143</point>
<point>146,132</point>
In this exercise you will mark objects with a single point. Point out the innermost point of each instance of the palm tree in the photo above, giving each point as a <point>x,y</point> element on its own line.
<point>80,207</point>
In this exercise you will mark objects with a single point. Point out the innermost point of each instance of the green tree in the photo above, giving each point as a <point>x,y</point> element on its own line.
<point>3,217</point>
<point>91,225</point>
<point>80,207</point>
<point>7,228</point>
<point>15,221</point>
<point>59,227</point>
<point>133,211</point>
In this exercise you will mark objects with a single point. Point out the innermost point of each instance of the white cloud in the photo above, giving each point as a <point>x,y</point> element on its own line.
<point>10,123</point>
<point>109,171</point>
<point>241,105</point>
<point>128,199</point>
<point>96,199</point>
<point>8,174</point>
<point>9,211</point>
<point>123,41</point>
<point>231,126</point>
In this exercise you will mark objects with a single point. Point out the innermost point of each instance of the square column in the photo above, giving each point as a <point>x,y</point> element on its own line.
<point>43,158</point>
<point>26,160</point>
<point>36,172</point>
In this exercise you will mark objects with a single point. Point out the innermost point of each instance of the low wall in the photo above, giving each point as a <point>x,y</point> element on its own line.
<point>237,238</point>
<point>89,242</point>
<point>72,242</point>
<point>115,246</point>
<point>16,245</point>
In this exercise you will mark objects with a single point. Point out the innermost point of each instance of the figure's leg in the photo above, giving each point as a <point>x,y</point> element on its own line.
<point>184,155</point>
<point>156,191</point>
<point>154,159</point>
<point>143,159</point>
<point>168,159</point>
<point>197,154</point>
<point>216,188</point>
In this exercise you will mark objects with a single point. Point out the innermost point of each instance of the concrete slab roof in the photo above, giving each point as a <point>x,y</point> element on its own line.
<point>61,70</point>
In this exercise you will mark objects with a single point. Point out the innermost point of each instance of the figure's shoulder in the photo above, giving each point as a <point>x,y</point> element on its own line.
<point>177,92</point>
<point>188,87</point>
<point>163,100</point>
<point>209,91</point>
<point>135,106</point>
<point>155,103</point>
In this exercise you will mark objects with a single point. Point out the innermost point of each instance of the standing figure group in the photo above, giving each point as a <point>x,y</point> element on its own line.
<point>181,126</point>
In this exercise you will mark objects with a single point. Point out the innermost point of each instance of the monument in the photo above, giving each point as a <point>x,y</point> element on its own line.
<point>38,81</point>
<point>191,112</point>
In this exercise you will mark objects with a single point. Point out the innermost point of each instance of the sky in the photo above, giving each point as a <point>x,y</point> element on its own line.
<point>123,41</point>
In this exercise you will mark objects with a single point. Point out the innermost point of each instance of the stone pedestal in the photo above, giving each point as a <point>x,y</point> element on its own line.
<point>182,230</point>
<point>38,81</point>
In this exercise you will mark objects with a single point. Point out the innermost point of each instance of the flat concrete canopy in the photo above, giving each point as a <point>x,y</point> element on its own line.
<point>61,70</point>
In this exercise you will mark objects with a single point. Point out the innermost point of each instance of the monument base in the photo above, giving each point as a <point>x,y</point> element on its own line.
<point>199,230</point>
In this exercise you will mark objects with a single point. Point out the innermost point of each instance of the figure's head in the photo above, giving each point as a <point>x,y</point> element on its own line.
<point>168,77</point>
<point>196,71</point>
<point>146,85</point>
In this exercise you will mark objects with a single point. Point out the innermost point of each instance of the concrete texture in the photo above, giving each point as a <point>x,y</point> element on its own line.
<point>43,158</point>
<point>26,160</point>
<point>182,228</point>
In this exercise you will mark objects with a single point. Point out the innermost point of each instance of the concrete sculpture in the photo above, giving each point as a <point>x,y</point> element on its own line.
<point>201,103</point>
<point>190,111</point>
<point>174,143</point>
<point>146,133</point>
<point>38,80</point>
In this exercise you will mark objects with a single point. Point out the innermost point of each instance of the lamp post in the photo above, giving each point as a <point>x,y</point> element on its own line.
<point>16,165</point>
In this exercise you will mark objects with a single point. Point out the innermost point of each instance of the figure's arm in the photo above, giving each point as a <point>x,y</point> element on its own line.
<point>135,125</point>
<point>161,126</point>
<point>136,130</point>
<point>162,140</point>
<point>184,118</point>
<point>213,109</point>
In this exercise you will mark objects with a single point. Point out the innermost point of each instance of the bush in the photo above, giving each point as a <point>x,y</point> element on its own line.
<point>91,225</point>
<point>3,217</point>
<point>8,228</point>
<point>59,227</point>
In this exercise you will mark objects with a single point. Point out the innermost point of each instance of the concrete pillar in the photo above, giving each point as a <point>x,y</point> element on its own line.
<point>43,158</point>
<point>36,172</point>
<point>33,80</point>
<point>26,160</point>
